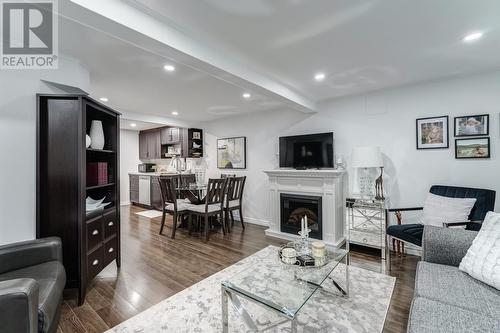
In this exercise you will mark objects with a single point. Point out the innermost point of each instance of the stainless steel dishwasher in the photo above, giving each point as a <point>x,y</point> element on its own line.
<point>145,190</point>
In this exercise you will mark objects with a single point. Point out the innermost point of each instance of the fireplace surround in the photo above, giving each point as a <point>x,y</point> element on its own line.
<point>328,184</point>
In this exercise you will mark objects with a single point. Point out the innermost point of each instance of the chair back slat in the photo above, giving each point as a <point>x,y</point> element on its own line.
<point>215,191</point>
<point>235,187</point>
<point>168,186</point>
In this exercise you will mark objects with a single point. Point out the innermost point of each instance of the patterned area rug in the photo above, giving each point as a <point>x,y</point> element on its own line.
<point>150,213</point>
<point>198,308</point>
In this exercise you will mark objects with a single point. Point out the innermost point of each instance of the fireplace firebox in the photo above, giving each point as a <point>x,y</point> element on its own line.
<point>295,207</point>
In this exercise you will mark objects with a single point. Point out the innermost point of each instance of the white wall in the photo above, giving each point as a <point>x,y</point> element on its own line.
<point>385,118</point>
<point>18,142</point>
<point>129,160</point>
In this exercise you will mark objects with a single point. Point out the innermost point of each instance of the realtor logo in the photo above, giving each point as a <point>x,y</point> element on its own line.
<point>29,34</point>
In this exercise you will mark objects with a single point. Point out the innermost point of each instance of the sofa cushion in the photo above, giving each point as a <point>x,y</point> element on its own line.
<point>51,279</point>
<point>447,284</point>
<point>430,316</point>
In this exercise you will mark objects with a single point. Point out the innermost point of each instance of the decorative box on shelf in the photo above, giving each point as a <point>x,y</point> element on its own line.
<point>367,223</point>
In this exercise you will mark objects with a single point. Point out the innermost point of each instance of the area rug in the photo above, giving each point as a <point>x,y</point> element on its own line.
<point>150,213</point>
<point>198,308</point>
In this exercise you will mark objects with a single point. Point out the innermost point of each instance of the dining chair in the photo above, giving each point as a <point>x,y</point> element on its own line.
<point>171,204</point>
<point>213,206</point>
<point>233,200</point>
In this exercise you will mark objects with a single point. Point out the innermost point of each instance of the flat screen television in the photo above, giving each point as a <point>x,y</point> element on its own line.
<point>312,151</point>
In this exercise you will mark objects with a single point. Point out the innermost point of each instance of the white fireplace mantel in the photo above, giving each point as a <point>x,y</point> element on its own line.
<point>330,184</point>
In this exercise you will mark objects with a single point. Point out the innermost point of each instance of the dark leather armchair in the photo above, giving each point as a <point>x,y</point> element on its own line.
<point>412,233</point>
<point>32,280</point>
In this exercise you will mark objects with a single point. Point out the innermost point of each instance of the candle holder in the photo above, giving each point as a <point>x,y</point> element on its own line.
<point>302,245</point>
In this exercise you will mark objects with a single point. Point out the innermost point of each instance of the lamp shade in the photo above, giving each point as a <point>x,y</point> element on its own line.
<point>367,157</point>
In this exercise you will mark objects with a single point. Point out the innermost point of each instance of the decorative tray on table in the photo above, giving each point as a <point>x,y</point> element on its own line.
<point>301,259</point>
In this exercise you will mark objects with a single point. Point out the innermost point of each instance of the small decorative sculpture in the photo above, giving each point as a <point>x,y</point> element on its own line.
<point>379,187</point>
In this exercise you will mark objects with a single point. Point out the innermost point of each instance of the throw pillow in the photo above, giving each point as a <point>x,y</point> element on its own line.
<point>439,209</point>
<point>482,260</point>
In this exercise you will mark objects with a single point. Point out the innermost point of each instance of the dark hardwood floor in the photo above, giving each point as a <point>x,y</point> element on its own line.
<point>155,267</point>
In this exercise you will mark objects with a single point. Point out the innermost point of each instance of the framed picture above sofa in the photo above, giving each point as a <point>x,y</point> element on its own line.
<point>477,125</point>
<point>232,153</point>
<point>472,148</point>
<point>432,133</point>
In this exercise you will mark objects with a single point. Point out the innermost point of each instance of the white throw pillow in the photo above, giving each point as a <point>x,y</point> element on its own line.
<point>439,209</point>
<point>482,260</point>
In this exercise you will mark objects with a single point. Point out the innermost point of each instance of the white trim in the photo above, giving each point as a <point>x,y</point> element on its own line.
<point>256,221</point>
<point>125,203</point>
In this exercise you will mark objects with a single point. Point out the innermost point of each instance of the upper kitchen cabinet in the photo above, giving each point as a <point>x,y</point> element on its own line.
<point>167,142</point>
<point>149,144</point>
<point>171,135</point>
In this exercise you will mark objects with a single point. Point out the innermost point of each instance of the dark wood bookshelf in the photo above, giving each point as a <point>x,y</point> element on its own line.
<point>90,242</point>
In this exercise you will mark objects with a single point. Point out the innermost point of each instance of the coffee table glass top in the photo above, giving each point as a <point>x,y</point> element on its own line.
<point>285,288</point>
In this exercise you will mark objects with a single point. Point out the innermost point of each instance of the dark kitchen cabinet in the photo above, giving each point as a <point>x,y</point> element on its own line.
<point>90,241</point>
<point>156,193</point>
<point>143,146</point>
<point>149,145</point>
<point>134,188</point>
<point>170,135</point>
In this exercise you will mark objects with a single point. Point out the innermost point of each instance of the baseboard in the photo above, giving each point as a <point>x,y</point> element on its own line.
<point>256,221</point>
<point>125,203</point>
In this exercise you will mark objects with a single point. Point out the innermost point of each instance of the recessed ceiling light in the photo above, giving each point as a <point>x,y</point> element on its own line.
<point>246,95</point>
<point>104,99</point>
<point>319,76</point>
<point>175,113</point>
<point>169,68</point>
<point>133,124</point>
<point>473,36</point>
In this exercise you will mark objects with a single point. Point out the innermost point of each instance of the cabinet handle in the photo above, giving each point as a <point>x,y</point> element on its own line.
<point>95,232</point>
<point>110,224</point>
<point>95,262</point>
<point>111,250</point>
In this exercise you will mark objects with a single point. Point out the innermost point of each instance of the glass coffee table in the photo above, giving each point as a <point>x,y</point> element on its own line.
<point>281,288</point>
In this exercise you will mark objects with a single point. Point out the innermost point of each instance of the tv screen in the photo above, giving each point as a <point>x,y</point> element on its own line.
<point>310,151</point>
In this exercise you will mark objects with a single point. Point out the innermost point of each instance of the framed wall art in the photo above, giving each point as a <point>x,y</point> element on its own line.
<point>231,153</point>
<point>472,148</point>
<point>478,125</point>
<point>432,133</point>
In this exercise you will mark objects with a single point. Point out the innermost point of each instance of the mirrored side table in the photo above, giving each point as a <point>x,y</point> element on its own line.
<point>367,221</point>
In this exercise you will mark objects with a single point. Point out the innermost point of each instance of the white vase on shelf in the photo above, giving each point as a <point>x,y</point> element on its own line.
<point>88,141</point>
<point>96,135</point>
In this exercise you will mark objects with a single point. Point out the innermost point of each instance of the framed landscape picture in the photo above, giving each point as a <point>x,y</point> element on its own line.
<point>472,148</point>
<point>231,153</point>
<point>432,133</point>
<point>477,125</point>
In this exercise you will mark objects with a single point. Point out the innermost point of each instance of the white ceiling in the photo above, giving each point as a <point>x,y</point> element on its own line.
<point>361,45</point>
<point>134,80</point>
<point>222,48</point>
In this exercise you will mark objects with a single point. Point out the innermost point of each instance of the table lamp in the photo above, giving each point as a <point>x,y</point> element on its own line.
<point>365,158</point>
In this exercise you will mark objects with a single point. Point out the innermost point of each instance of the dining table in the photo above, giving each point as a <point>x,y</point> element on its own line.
<point>194,192</point>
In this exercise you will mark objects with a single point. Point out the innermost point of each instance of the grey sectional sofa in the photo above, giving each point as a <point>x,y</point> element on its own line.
<point>445,298</point>
<point>32,280</point>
